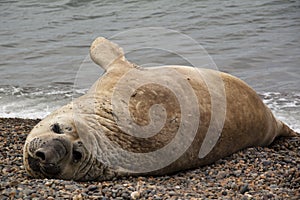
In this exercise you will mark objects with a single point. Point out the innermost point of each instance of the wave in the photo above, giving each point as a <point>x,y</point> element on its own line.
<point>32,103</point>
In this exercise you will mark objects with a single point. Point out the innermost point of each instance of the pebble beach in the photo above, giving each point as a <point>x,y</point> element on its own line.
<point>271,172</point>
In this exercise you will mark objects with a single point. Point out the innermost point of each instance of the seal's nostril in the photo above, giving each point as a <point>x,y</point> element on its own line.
<point>40,155</point>
<point>77,156</point>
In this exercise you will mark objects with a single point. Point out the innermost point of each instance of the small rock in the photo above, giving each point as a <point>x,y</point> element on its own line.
<point>237,173</point>
<point>177,187</point>
<point>77,197</point>
<point>92,187</point>
<point>125,195</point>
<point>135,195</point>
<point>244,189</point>
<point>266,162</point>
<point>48,183</point>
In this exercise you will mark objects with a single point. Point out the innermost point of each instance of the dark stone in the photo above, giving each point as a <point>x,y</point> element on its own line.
<point>92,188</point>
<point>266,162</point>
<point>244,189</point>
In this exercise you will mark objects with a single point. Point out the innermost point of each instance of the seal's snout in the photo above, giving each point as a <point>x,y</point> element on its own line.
<point>48,156</point>
<point>52,152</point>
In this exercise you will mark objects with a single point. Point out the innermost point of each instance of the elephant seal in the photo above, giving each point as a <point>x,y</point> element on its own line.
<point>148,121</point>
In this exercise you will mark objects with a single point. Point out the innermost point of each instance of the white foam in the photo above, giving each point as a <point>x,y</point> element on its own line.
<point>286,107</point>
<point>28,111</point>
<point>34,103</point>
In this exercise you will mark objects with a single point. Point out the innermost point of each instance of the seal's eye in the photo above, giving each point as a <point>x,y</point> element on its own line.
<point>56,128</point>
<point>77,156</point>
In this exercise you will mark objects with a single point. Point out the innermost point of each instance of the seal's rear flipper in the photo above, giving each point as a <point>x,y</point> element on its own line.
<point>286,131</point>
<point>104,52</point>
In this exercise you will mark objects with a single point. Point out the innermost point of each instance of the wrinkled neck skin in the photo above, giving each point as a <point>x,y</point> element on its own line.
<point>94,120</point>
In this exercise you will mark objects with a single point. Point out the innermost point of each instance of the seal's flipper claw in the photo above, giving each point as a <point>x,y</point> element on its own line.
<point>104,52</point>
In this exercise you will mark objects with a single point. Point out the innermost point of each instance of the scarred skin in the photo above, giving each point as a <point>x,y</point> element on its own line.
<point>71,143</point>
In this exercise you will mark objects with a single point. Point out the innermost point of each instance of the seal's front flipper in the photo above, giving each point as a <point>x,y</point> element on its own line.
<point>104,52</point>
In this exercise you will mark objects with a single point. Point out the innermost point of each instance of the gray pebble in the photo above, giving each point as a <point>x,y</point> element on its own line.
<point>244,189</point>
<point>92,187</point>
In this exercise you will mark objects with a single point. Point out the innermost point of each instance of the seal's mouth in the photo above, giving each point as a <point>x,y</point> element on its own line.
<point>48,158</point>
<point>47,169</point>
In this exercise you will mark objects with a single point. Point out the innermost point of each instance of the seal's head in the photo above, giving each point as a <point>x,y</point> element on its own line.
<point>53,149</point>
<point>61,146</point>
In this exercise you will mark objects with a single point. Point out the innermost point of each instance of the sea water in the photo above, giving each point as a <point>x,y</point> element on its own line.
<point>44,61</point>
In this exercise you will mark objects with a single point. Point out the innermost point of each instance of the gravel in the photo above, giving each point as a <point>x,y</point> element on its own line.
<point>254,173</point>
